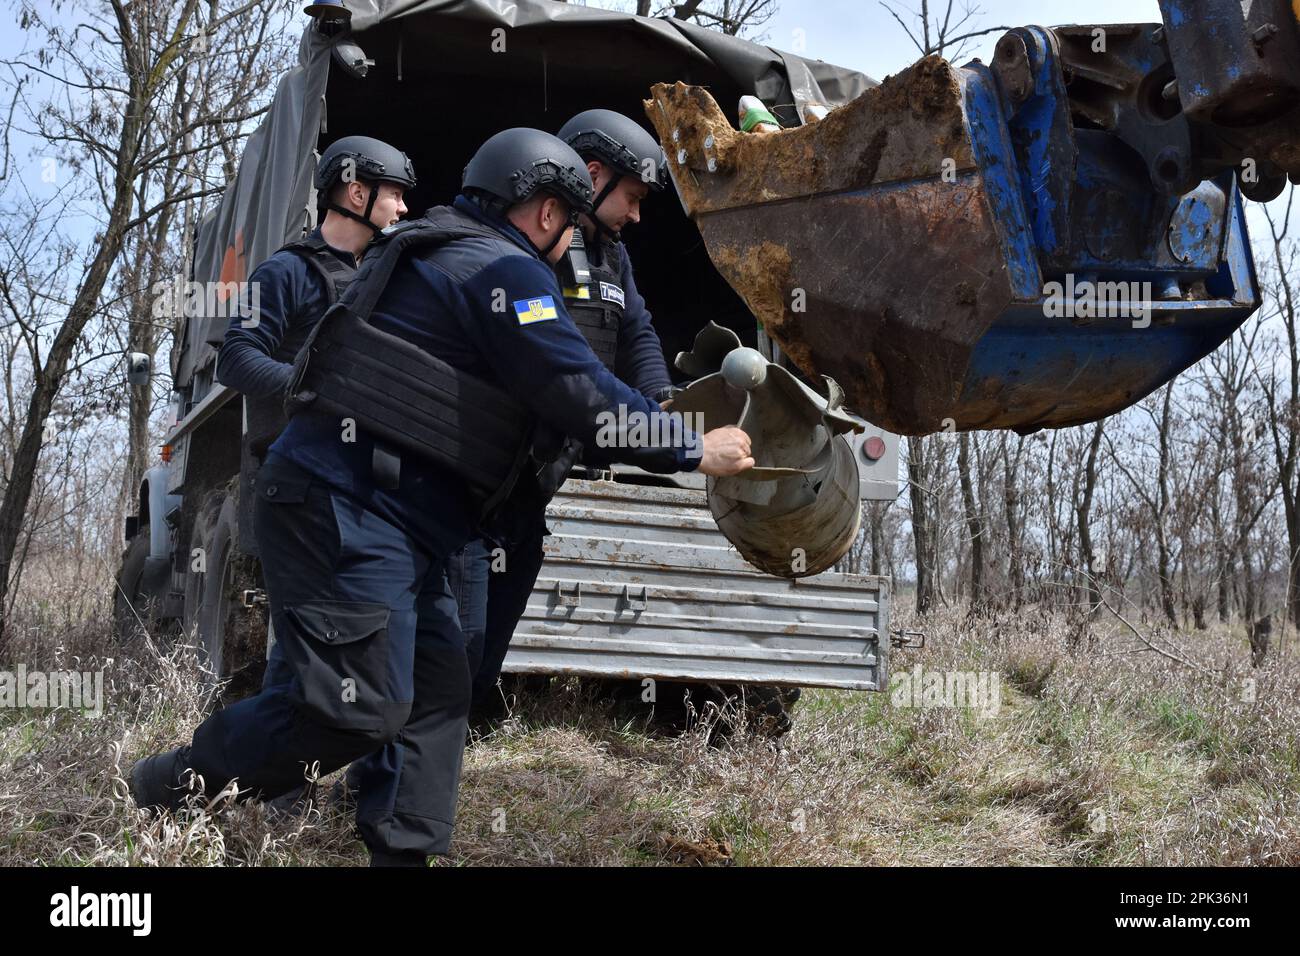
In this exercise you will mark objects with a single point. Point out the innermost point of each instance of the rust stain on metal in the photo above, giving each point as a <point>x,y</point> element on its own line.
<point>989,406</point>
<point>897,287</point>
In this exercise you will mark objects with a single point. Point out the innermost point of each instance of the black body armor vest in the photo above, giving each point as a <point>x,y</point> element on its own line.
<point>593,296</point>
<point>336,274</point>
<point>401,394</point>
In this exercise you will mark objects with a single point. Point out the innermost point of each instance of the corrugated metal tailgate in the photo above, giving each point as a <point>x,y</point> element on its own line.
<point>639,582</point>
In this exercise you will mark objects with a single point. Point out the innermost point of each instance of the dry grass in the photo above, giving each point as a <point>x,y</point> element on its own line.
<point>1100,755</point>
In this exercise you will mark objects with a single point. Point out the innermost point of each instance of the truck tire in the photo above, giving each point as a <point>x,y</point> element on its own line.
<point>205,519</point>
<point>140,593</point>
<point>132,606</point>
<point>767,708</point>
<point>231,637</point>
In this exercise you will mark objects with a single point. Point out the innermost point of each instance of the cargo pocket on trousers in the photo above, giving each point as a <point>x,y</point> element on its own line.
<point>339,653</point>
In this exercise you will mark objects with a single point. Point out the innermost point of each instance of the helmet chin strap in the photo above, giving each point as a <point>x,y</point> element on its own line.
<point>554,242</point>
<point>364,220</point>
<point>601,228</point>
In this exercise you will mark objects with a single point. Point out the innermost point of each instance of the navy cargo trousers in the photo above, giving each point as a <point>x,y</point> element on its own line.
<point>492,580</point>
<point>369,666</point>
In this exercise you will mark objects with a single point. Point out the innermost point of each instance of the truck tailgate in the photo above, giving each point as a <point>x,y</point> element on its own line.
<point>638,582</point>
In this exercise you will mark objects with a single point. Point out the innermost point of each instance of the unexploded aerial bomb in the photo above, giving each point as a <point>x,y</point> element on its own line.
<point>804,485</point>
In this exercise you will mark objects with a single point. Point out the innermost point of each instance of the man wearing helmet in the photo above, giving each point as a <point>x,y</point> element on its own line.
<point>360,191</point>
<point>626,164</point>
<point>495,574</point>
<point>360,184</point>
<point>419,407</point>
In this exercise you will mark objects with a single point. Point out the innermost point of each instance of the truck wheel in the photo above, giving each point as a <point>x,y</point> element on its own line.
<point>769,707</point>
<point>766,707</point>
<point>132,607</point>
<point>231,636</point>
<point>205,520</point>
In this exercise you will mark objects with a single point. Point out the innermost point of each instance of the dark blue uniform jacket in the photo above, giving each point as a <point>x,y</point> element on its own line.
<point>493,308</point>
<point>256,358</point>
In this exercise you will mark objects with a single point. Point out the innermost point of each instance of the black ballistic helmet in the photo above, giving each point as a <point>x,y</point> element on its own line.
<point>370,160</point>
<point>620,143</point>
<point>515,164</point>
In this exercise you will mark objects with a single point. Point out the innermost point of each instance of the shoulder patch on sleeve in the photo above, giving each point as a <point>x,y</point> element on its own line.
<point>538,309</point>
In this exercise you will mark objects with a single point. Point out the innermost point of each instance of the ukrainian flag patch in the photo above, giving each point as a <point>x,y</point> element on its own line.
<point>540,309</point>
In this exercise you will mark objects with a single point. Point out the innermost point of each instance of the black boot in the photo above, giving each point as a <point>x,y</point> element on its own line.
<point>161,782</point>
<point>297,802</point>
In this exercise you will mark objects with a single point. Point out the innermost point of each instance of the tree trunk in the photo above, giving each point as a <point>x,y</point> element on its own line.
<point>922,525</point>
<point>49,377</point>
<point>1163,557</point>
<point>1011,501</point>
<point>1222,563</point>
<point>974,524</point>
<point>1284,407</point>
<point>877,535</point>
<point>142,336</point>
<point>1084,515</point>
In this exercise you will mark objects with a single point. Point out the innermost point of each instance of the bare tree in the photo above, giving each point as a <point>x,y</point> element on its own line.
<point>929,491</point>
<point>946,33</point>
<point>1087,554</point>
<point>728,16</point>
<point>1012,502</point>
<point>922,533</point>
<point>1252,486</point>
<point>974,520</point>
<point>112,81</point>
<point>1153,492</point>
<point>734,17</point>
<point>1284,400</point>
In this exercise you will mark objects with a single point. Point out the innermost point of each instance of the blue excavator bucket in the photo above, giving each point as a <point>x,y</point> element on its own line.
<point>974,247</point>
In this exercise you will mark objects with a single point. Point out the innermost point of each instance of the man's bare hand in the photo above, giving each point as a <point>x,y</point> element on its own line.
<point>726,452</point>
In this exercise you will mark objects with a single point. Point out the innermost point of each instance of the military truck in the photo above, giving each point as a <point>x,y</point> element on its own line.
<point>638,583</point>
